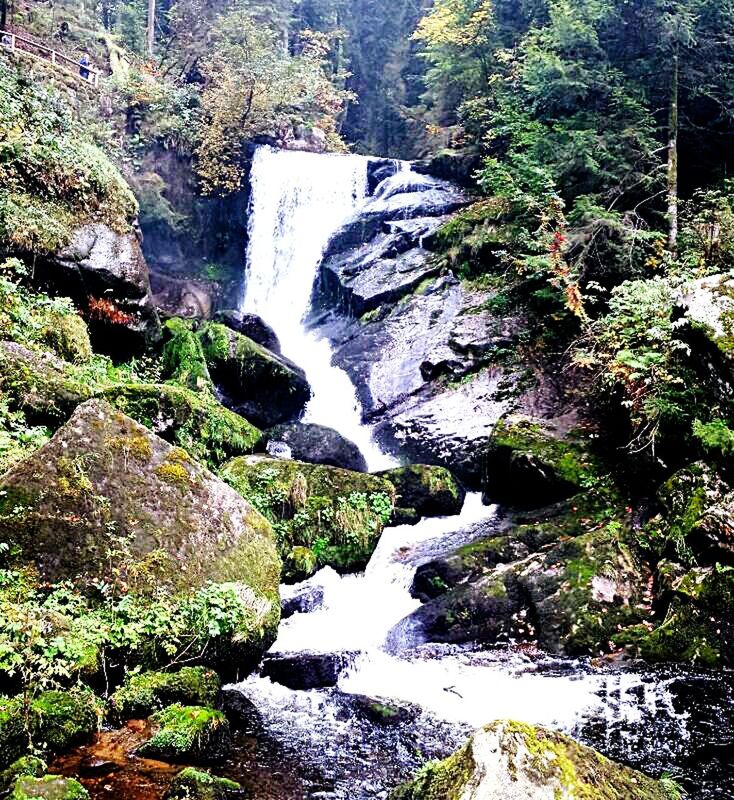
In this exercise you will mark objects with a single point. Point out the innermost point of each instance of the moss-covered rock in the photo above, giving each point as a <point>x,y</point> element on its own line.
<point>515,761</point>
<point>532,462</point>
<point>54,721</point>
<point>555,582</point>
<point>30,766</point>
<point>321,515</point>
<point>264,387</point>
<point>183,356</point>
<point>105,484</point>
<point>195,421</point>
<point>194,784</point>
<point>67,335</point>
<point>42,386</point>
<point>188,733</point>
<point>147,692</point>
<point>699,623</point>
<point>699,507</point>
<point>428,490</point>
<point>49,787</point>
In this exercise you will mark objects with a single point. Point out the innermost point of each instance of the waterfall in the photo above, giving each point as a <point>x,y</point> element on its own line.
<point>298,201</point>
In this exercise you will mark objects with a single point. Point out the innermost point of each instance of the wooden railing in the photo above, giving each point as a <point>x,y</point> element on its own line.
<point>17,43</point>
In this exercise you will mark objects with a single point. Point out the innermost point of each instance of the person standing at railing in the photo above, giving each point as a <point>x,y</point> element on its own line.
<point>83,64</point>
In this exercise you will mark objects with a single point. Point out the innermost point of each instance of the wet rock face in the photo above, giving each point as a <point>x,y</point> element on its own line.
<point>302,599</point>
<point>421,347</point>
<point>426,490</point>
<point>188,734</point>
<point>515,761</point>
<point>306,670</point>
<point>315,444</point>
<point>102,468</point>
<point>252,326</point>
<point>101,267</point>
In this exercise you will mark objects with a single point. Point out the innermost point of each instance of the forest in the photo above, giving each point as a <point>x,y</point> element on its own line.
<point>366,399</point>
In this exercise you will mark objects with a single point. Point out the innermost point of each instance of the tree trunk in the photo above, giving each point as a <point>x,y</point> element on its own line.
<point>673,159</point>
<point>3,14</point>
<point>151,27</point>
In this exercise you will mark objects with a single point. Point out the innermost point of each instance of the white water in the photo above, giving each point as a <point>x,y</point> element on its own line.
<point>298,201</point>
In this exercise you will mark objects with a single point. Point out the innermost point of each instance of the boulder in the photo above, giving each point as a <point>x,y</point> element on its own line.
<point>557,584</point>
<point>430,491</point>
<point>241,712</point>
<point>193,784</point>
<point>194,734</point>
<point>103,472</point>
<point>533,462</point>
<point>322,515</point>
<point>459,166</point>
<point>192,420</point>
<point>699,508</point>
<point>252,326</point>
<point>146,692</point>
<point>49,787</point>
<point>378,169</point>
<point>106,274</point>
<point>516,761</point>
<point>698,623</point>
<point>316,444</point>
<point>262,386</point>
<point>56,720</point>
<point>306,670</point>
<point>41,385</point>
<point>31,766</point>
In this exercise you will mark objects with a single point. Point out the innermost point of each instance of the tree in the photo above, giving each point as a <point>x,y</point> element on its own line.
<point>151,28</point>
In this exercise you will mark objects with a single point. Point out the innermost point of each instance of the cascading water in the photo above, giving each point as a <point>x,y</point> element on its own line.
<point>298,201</point>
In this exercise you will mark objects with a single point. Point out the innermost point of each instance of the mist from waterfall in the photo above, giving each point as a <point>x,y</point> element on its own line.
<point>298,201</point>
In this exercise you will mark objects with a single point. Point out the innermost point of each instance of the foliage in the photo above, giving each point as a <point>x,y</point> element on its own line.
<point>254,88</point>
<point>52,178</point>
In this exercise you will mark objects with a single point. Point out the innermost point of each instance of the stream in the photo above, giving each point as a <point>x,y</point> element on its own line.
<point>397,704</point>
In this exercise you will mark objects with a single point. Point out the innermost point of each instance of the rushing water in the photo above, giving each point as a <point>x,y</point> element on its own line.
<point>325,743</point>
<point>298,201</point>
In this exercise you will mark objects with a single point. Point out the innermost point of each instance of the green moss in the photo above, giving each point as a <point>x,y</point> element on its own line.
<point>321,515</point>
<point>67,335</point>
<point>187,733</point>
<point>49,787</point>
<point>174,473</point>
<point>183,357</point>
<point>31,766</point>
<point>193,784</point>
<point>440,780</point>
<point>194,421</point>
<point>133,445</point>
<point>430,490</point>
<point>147,692</point>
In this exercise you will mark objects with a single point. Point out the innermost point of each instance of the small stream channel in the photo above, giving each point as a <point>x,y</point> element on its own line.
<point>394,707</point>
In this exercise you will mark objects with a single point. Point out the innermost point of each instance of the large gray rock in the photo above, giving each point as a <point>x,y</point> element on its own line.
<point>514,761</point>
<point>103,479</point>
<point>101,267</point>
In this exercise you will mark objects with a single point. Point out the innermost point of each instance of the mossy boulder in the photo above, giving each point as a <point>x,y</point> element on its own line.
<point>430,491</point>
<point>67,335</point>
<point>49,787</point>
<point>321,515</point>
<point>532,462</point>
<point>30,766</point>
<point>514,761</point>
<point>555,583</point>
<point>103,479</point>
<point>194,734</point>
<point>264,387</point>
<point>183,357</point>
<point>194,784</point>
<point>699,514</point>
<point>698,626</point>
<point>147,692</point>
<point>56,720</point>
<point>41,385</point>
<point>195,421</point>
